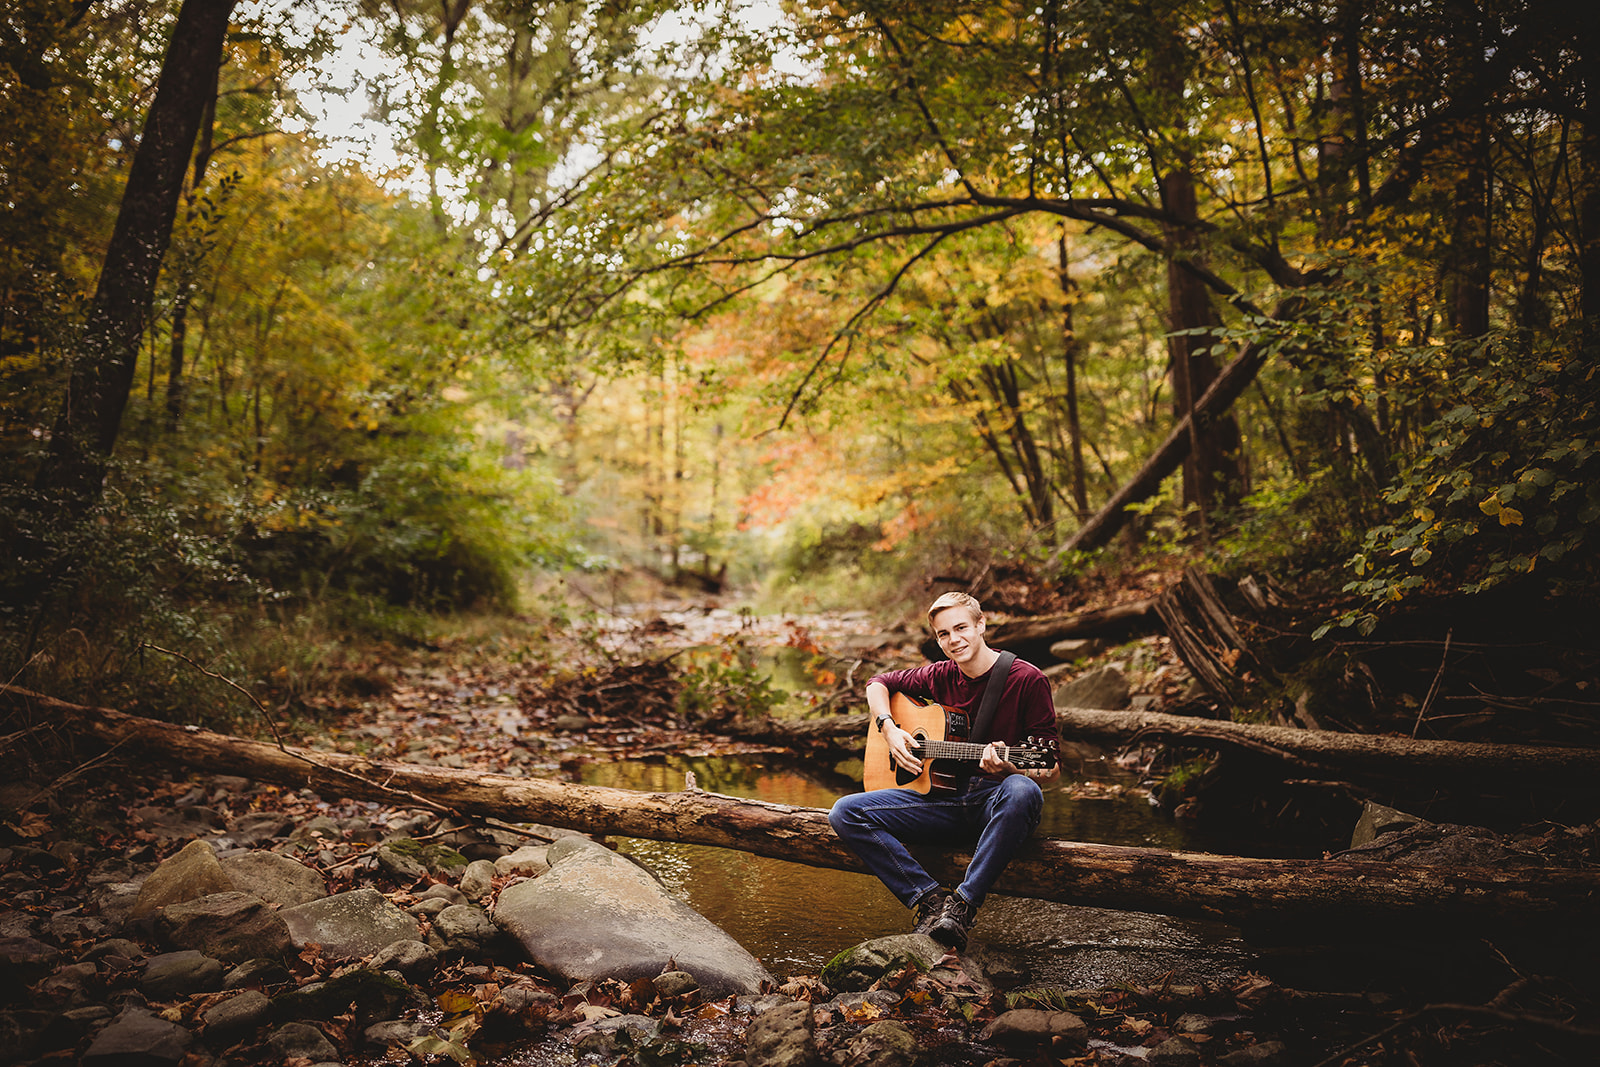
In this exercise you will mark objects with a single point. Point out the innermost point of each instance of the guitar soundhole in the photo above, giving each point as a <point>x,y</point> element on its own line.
<point>903,777</point>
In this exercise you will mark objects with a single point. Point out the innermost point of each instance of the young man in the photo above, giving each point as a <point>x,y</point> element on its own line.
<point>999,804</point>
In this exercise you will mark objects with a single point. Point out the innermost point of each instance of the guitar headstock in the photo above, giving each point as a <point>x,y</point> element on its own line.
<point>1034,752</point>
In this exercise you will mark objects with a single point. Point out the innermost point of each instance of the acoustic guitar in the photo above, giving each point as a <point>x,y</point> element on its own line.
<point>939,743</point>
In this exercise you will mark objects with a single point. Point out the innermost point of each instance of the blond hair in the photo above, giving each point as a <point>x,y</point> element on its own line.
<point>954,599</point>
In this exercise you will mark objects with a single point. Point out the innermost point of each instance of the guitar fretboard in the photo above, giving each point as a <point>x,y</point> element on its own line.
<point>1018,755</point>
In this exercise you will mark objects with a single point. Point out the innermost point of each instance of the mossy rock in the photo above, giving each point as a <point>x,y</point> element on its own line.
<point>858,967</point>
<point>433,856</point>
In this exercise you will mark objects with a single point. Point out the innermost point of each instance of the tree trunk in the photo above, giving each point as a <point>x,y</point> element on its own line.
<point>1467,264</point>
<point>1118,622</point>
<point>1589,196</point>
<point>980,421</point>
<point>1071,349</point>
<point>1211,471</point>
<point>176,352</point>
<point>1532,313</point>
<point>1002,381</point>
<point>1110,876</point>
<point>1345,147</point>
<point>102,374</point>
<point>1372,758</point>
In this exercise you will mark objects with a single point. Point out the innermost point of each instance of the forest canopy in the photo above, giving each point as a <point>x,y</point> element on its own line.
<point>819,299</point>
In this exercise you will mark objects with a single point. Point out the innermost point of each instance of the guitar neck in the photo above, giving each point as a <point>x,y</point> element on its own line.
<point>966,750</point>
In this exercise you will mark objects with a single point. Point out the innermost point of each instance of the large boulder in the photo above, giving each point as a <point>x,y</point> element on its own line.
<point>366,995</point>
<point>599,915</point>
<point>1444,845</point>
<point>1175,1051</point>
<point>414,960</point>
<point>529,860</point>
<point>24,960</point>
<point>351,925</point>
<point>606,1037</point>
<point>477,881</point>
<point>862,965</point>
<point>302,1041</point>
<point>74,985</point>
<point>227,1019</point>
<point>1379,819</point>
<point>885,1043</point>
<point>467,929</point>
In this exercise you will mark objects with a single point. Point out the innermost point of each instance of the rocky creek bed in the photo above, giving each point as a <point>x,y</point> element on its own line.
<point>212,920</point>
<point>159,917</point>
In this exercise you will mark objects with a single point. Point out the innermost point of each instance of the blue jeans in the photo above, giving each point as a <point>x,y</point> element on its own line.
<point>877,826</point>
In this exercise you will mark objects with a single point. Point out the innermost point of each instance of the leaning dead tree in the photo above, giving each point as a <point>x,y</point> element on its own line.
<point>1134,879</point>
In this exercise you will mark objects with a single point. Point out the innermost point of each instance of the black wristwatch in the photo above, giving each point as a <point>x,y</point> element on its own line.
<point>883,719</point>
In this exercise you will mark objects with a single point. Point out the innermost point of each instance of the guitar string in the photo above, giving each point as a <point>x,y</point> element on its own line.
<point>973,750</point>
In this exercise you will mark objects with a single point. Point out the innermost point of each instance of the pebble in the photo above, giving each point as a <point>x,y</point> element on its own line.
<point>1264,1054</point>
<point>244,1011</point>
<point>302,1040</point>
<point>173,975</point>
<point>413,960</point>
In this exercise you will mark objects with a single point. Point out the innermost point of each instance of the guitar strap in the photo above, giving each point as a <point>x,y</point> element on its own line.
<point>991,697</point>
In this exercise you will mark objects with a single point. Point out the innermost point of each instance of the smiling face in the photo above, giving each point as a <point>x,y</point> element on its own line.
<point>959,631</point>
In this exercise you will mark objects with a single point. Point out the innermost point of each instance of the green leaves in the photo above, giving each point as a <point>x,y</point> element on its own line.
<point>1500,494</point>
<point>728,682</point>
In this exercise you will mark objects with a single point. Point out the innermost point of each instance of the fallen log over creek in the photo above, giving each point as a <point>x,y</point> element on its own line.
<point>1196,885</point>
<point>1361,756</point>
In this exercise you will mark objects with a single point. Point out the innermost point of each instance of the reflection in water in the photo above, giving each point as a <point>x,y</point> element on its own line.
<point>792,917</point>
<point>795,918</point>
